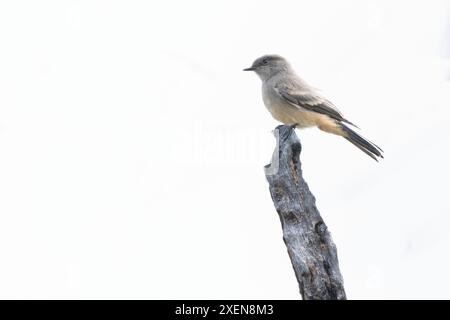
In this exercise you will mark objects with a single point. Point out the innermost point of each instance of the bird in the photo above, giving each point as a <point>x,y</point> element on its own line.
<point>294,102</point>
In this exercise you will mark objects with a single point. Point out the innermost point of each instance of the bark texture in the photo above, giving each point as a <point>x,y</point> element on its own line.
<point>309,244</point>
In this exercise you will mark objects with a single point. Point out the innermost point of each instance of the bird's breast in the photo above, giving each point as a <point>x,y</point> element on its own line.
<point>284,112</point>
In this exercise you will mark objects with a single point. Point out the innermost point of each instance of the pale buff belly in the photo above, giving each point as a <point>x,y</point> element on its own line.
<point>289,114</point>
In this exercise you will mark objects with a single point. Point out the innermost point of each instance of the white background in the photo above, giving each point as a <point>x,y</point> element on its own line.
<point>132,147</point>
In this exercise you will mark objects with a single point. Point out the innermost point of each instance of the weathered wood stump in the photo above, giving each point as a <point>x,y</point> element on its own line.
<point>309,244</point>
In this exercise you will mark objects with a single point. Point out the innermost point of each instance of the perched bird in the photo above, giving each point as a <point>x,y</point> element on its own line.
<point>292,101</point>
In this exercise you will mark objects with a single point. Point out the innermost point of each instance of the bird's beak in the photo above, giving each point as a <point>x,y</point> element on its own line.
<point>249,69</point>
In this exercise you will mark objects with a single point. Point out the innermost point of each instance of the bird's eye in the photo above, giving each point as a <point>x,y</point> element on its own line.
<point>265,61</point>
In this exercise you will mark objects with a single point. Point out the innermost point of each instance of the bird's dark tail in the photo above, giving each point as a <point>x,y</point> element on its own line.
<point>369,148</point>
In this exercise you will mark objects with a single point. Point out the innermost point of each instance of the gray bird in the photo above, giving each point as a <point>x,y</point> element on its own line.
<point>292,101</point>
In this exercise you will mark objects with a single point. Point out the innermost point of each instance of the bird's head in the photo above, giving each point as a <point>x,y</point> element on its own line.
<point>268,65</point>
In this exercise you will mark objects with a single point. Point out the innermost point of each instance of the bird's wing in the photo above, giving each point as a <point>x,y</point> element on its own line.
<point>309,100</point>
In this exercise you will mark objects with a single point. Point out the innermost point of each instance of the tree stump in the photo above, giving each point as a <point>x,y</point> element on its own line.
<point>309,244</point>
